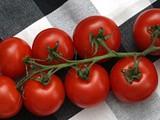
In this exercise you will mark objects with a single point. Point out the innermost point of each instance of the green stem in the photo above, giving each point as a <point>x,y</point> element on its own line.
<point>151,49</point>
<point>70,63</point>
<point>22,81</point>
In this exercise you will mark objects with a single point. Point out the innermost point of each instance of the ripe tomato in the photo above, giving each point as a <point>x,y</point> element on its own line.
<point>43,100</point>
<point>92,24</point>
<point>12,51</point>
<point>143,38</point>
<point>87,93</point>
<point>49,37</point>
<point>10,98</point>
<point>138,90</point>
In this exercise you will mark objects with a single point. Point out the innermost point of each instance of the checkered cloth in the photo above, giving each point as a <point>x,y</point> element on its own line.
<point>26,18</point>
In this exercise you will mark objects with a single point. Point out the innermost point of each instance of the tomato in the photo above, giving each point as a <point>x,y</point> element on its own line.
<point>139,89</point>
<point>12,52</point>
<point>142,37</point>
<point>43,100</point>
<point>87,93</point>
<point>49,37</point>
<point>92,25</point>
<point>10,98</point>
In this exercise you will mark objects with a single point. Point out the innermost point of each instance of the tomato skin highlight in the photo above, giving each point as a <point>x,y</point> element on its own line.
<point>87,93</point>
<point>92,24</point>
<point>138,90</point>
<point>43,100</point>
<point>49,37</point>
<point>10,98</point>
<point>142,38</point>
<point>12,52</point>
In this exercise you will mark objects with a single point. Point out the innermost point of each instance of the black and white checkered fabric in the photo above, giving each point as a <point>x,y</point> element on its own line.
<point>26,18</point>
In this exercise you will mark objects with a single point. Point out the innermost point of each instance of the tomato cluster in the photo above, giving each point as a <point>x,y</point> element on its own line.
<point>132,79</point>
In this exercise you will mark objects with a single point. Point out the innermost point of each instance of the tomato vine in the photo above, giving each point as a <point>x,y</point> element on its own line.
<point>69,63</point>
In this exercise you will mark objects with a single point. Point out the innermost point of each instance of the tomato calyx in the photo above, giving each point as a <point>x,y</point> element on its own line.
<point>82,71</point>
<point>132,73</point>
<point>53,53</point>
<point>44,78</point>
<point>154,31</point>
<point>28,61</point>
<point>97,40</point>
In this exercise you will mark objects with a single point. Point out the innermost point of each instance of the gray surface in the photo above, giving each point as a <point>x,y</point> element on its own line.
<point>146,110</point>
<point>16,15</point>
<point>69,14</point>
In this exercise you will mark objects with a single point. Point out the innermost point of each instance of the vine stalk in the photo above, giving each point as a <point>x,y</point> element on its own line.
<point>71,63</point>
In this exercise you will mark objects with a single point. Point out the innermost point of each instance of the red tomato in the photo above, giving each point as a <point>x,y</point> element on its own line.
<point>49,37</point>
<point>138,90</point>
<point>10,98</point>
<point>43,100</point>
<point>87,93</point>
<point>12,52</point>
<point>143,39</point>
<point>92,24</point>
